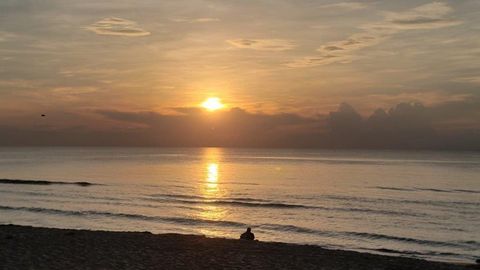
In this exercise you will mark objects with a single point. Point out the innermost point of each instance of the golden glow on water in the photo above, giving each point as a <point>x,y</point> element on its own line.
<point>211,212</point>
<point>212,176</point>
<point>211,188</point>
<point>211,181</point>
<point>212,159</point>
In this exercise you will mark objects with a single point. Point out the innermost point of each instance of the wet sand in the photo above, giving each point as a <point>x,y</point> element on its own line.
<point>43,248</point>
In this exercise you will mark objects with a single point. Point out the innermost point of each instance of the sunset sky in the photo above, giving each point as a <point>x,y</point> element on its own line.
<point>108,72</point>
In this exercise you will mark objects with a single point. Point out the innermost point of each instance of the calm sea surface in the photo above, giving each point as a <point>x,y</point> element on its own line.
<point>418,204</point>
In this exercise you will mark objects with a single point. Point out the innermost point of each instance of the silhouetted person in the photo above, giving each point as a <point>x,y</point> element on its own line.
<point>248,235</point>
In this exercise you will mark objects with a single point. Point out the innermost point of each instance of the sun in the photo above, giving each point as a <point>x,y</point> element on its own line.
<point>212,104</point>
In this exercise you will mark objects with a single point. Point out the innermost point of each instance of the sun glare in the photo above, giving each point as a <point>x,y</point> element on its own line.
<point>212,173</point>
<point>212,104</point>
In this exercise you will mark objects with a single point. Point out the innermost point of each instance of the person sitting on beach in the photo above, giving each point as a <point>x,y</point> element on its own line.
<point>248,235</point>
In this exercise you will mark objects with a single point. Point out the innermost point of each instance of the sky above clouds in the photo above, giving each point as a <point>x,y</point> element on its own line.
<point>86,63</point>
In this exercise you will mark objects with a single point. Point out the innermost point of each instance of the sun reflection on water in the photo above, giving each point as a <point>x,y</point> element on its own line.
<point>211,187</point>
<point>212,158</point>
<point>212,177</point>
<point>211,190</point>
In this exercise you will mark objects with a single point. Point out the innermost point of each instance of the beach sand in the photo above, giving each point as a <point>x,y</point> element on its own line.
<point>24,247</point>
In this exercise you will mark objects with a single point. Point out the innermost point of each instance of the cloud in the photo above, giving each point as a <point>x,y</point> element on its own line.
<point>450,125</point>
<point>114,26</point>
<point>202,20</point>
<point>79,71</point>
<point>346,5</point>
<point>472,80</point>
<point>18,83</point>
<point>195,127</point>
<point>6,36</point>
<point>196,20</point>
<point>317,60</point>
<point>407,126</point>
<point>262,44</point>
<point>42,93</point>
<point>337,51</point>
<point>354,42</point>
<point>428,98</point>
<point>428,16</point>
<point>73,91</point>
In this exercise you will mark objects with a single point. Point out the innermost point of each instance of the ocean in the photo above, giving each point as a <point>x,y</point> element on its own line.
<point>422,204</point>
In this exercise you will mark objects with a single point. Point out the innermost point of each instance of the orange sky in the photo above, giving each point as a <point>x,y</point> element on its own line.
<point>71,60</point>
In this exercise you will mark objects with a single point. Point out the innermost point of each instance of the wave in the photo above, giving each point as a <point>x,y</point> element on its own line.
<point>105,201</point>
<point>396,188</point>
<point>418,253</point>
<point>430,189</point>
<point>235,203</point>
<point>400,201</point>
<point>251,202</point>
<point>43,182</point>
<point>435,190</point>
<point>376,236</point>
<point>176,220</point>
<point>467,191</point>
<point>297,229</point>
<point>241,183</point>
<point>457,244</point>
<point>39,195</point>
<point>182,196</point>
<point>361,161</point>
<point>472,245</point>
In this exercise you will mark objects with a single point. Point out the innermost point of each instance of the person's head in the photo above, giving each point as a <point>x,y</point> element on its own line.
<point>249,229</point>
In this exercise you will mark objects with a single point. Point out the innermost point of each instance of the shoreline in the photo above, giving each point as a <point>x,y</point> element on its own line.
<point>25,247</point>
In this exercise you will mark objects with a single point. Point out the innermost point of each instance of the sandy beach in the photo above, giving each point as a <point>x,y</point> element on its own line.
<point>24,247</point>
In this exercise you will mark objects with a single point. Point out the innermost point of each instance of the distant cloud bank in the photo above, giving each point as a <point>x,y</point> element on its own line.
<point>451,125</point>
